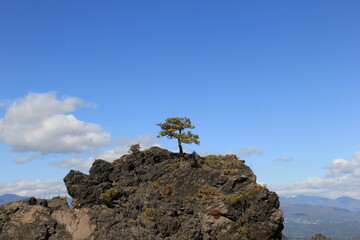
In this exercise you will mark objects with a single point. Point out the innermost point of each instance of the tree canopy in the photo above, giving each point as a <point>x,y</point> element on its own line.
<point>175,128</point>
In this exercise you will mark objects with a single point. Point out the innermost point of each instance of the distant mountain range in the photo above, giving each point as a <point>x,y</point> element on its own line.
<point>306,215</point>
<point>341,202</point>
<point>10,198</point>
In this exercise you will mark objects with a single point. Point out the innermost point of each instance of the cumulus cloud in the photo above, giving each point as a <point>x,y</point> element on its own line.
<point>36,188</point>
<point>340,167</point>
<point>121,148</point>
<point>250,150</point>
<point>40,122</point>
<point>74,162</point>
<point>23,159</point>
<point>342,179</point>
<point>285,159</point>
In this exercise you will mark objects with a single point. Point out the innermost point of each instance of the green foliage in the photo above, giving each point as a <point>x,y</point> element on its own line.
<point>109,194</point>
<point>154,185</point>
<point>175,128</point>
<point>134,149</point>
<point>149,214</point>
<point>189,198</point>
<point>208,192</point>
<point>195,156</point>
<point>167,190</point>
<point>227,171</point>
<point>214,157</point>
<point>233,199</point>
<point>172,168</point>
<point>243,230</point>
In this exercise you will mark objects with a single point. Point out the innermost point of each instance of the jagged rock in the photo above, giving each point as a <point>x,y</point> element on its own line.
<point>319,236</point>
<point>160,196</point>
<point>153,195</point>
<point>42,219</point>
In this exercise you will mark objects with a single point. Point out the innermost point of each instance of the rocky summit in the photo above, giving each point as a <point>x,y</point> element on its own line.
<point>152,194</point>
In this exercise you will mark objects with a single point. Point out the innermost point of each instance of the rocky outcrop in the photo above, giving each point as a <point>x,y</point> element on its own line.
<point>319,236</point>
<point>154,194</point>
<point>157,195</point>
<point>41,219</point>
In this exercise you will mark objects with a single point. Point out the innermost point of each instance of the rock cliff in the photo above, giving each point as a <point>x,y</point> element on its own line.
<point>154,194</point>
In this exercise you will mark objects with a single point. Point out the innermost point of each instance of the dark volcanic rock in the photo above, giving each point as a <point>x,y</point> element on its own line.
<point>319,236</point>
<point>157,195</point>
<point>152,195</point>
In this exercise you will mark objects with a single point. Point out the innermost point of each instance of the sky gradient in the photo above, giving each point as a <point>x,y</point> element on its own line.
<point>276,82</point>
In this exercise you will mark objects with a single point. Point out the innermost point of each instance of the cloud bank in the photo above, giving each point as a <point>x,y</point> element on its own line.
<point>342,179</point>
<point>250,150</point>
<point>36,188</point>
<point>40,122</point>
<point>285,159</point>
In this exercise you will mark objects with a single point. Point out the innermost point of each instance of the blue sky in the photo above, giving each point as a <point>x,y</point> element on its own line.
<point>276,82</point>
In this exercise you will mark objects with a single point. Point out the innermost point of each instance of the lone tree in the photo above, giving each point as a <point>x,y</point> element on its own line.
<point>175,128</point>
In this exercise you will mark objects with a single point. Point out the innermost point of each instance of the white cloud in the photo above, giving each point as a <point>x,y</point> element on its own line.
<point>75,162</point>
<point>36,188</point>
<point>23,159</point>
<point>250,150</point>
<point>343,179</point>
<point>285,159</point>
<point>339,166</point>
<point>40,122</point>
<point>119,150</point>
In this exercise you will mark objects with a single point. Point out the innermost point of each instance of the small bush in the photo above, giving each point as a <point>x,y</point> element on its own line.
<point>216,213</point>
<point>243,230</point>
<point>214,157</point>
<point>229,171</point>
<point>167,190</point>
<point>233,199</point>
<point>208,192</point>
<point>149,214</point>
<point>172,168</point>
<point>134,149</point>
<point>189,198</point>
<point>154,185</point>
<point>109,194</point>
<point>182,218</point>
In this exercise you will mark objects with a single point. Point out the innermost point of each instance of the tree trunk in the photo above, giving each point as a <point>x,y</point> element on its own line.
<point>179,144</point>
<point>180,148</point>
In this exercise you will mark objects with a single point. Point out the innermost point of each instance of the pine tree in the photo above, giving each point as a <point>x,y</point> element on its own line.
<point>175,128</point>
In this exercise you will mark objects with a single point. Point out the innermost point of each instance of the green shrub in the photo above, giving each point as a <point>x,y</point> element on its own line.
<point>208,192</point>
<point>182,218</point>
<point>233,199</point>
<point>227,171</point>
<point>189,198</point>
<point>154,185</point>
<point>134,149</point>
<point>149,214</point>
<point>167,190</point>
<point>109,194</point>
<point>243,230</point>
